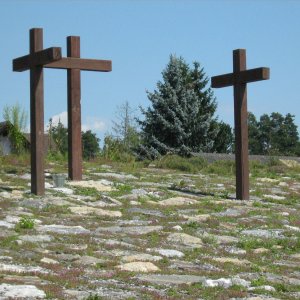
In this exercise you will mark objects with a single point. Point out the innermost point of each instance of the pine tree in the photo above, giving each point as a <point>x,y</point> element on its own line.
<point>180,119</point>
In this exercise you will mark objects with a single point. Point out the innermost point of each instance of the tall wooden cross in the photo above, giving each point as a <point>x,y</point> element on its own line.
<point>51,58</point>
<point>239,79</point>
<point>74,64</point>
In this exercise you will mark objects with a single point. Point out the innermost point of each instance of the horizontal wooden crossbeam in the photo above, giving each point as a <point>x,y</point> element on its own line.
<point>240,77</point>
<point>82,64</point>
<point>38,58</point>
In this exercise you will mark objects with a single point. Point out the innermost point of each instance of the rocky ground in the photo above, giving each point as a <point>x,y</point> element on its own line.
<point>128,232</point>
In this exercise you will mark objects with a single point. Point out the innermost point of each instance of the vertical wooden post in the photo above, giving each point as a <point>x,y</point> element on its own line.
<point>74,112</point>
<point>37,116</point>
<point>241,127</point>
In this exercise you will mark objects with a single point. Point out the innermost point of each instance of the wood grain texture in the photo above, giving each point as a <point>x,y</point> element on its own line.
<point>37,116</point>
<point>239,79</point>
<point>241,128</point>
<point>82,64</point>
<point>38,58</point>
<point>74,112</point>
<point>246,76</point>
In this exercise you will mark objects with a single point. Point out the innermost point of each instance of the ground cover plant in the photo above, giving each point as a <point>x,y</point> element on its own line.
<point>165,229</point>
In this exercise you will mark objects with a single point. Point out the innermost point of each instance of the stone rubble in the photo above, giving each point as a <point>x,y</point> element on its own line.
<point>122,236</point>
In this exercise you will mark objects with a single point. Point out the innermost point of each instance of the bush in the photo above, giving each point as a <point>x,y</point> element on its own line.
<point>25,223</point>
<point>115,150</point>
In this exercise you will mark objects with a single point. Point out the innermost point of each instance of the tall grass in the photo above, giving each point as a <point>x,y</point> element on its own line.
<point>175,162</point>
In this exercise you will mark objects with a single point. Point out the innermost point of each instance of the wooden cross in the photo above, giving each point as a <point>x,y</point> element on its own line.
<point>51,58</point>
<point>74,64</point>
<point>239,79</point>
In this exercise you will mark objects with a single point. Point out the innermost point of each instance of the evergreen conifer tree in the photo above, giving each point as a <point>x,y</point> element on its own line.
<point>181,117</point>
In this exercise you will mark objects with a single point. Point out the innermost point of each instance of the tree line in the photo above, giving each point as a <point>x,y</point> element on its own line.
<point>181,119</point>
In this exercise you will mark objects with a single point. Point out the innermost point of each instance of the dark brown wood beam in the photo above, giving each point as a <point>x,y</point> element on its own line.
<point>37,116</point>
<point>39,58</point>
<point>74,112</point>
<point>246,76</point>
<point>241,127</point>
<point>82,64</point>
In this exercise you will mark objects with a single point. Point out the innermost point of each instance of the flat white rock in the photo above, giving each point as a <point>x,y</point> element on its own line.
<point>141,257</point>
<point>177,201</point>
<point>169,252</point>
<point>139,266</point>
<point>185,239</point>
<point>226,282</point>
<point>11,291</point>
<point>62,229</point>
<point>98,185</point>
<point>22,269</point>
<point>85,210</point>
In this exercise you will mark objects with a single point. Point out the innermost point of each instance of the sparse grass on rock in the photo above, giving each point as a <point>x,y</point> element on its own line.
<point>175,218</point>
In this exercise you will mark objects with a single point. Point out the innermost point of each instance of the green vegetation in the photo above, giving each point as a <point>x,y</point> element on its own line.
<point>175,162</point>
<point>90,145</point>
<point>273,134</point>
<point>86,191</point>
<point>181,117</point>
<point>16,119</point>
<point>25,223</point>
<point>59,134</point>
<point>122,189</point>
<point>220,235</point>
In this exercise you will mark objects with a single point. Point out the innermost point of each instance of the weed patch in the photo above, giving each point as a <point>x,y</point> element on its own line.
<point>25,223</point>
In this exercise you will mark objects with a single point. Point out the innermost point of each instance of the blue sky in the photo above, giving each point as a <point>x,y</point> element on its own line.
<point>139,36</point>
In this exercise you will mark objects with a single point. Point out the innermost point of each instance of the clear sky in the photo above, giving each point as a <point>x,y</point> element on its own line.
<point>139,36</point>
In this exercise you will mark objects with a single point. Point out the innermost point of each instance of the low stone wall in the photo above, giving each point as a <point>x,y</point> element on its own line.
<point>211,157</point>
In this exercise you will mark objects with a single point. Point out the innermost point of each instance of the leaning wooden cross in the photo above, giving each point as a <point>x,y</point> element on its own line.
<point>51,58</point>
<point>239,79</point>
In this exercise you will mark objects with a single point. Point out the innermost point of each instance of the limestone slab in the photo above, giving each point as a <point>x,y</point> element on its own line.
<point>11,291</point>
<point>226,282</point>
<point>89,260</point>
<point>63,229</point>
<point>172,279</point>
<point>36,238</point>
<point>141,257</point>
<point>97,184</point>
<point>135,230</point>
<point>232,260</point>
<point>177,201</point>
<point>86,210</point>
<point>168,252</point>
<point>119,176</point>
<point>144,267</point>
<point>264,233</point>
<point>22,269</point>
<point>185,239</point>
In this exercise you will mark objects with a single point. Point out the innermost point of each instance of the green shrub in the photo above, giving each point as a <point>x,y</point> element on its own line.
<point>115,150</point>
<point>25,223</point>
